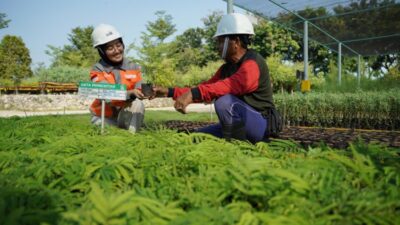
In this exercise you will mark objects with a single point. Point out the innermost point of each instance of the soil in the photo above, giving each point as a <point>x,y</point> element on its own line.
<point>313,136</point>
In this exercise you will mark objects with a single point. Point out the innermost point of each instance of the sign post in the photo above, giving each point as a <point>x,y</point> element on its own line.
<point>103,107</point>
<point>103,91</point>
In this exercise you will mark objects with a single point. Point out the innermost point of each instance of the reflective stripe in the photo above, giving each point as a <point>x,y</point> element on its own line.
<point>117,76</point>
<point>130,76</point>
<point>138,84</point>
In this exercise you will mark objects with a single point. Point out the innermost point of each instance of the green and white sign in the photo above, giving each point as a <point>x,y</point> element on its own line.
<point>103,90</point>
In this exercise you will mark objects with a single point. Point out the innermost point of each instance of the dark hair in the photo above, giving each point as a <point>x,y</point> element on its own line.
<point>245,39</point>
<point>102,52</point>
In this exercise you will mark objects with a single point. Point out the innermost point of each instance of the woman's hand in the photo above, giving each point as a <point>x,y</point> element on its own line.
<point>137,93</point>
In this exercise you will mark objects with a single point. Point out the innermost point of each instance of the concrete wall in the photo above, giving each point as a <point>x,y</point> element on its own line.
<point>38,103</point>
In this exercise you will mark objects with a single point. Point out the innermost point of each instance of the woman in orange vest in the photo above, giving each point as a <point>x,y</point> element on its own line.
<point>114,68</point>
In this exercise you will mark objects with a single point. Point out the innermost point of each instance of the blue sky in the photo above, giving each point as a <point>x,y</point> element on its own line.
<point>48,22</point>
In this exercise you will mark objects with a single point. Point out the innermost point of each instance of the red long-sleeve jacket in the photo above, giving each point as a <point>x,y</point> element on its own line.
<point>247,79</point>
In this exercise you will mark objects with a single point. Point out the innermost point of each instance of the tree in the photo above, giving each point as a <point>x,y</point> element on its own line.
<point>80,53</point>
<point>385,62</point>
<point>15,60</point>
<point>197,46</point>
<point>156,56</point>
<point>162,27</point>
<point>191,38</point>
<point>3,21</point>
<point>282,76</point>
<point>210,27</point>
<point>319,56</point>
<point>189,49</point>
<point>271,39</point>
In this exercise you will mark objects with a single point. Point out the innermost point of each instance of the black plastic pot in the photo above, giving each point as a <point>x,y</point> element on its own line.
<point>147,89</point>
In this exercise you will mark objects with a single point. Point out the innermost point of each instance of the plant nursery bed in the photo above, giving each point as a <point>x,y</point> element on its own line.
<point>313,136</point>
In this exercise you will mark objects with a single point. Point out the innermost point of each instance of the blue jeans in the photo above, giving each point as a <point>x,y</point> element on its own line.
<point>231,110</point>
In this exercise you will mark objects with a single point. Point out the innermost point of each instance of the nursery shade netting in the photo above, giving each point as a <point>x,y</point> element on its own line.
<point>362,27</point>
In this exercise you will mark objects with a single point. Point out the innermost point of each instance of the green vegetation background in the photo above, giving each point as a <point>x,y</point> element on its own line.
<point>191,57</point>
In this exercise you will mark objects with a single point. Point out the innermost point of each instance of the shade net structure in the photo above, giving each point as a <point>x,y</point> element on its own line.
<point>362,27</point>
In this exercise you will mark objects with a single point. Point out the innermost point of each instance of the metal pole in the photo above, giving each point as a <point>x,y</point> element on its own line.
<point>340,63</point>
<point>103,107</point>
<point>211,113</point>
<point>305,50</point>
<point>358,70</point>
<point>229,8</point>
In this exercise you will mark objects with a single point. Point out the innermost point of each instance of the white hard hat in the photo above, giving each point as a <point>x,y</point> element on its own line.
<point>104,33</point>
<point>234,23</point>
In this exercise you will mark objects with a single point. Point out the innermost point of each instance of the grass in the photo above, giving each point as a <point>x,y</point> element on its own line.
<point>159,116</point>
<point>151,117</point>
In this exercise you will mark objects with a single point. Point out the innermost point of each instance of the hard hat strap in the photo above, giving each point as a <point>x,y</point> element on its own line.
<point>101,51</point>
<point>225,48</point>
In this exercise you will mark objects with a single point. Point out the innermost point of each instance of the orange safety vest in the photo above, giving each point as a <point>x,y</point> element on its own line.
<point>128,74</point>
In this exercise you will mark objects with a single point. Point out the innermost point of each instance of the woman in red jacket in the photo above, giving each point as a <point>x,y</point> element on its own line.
<point>114,68</point>
<point>241,87</point>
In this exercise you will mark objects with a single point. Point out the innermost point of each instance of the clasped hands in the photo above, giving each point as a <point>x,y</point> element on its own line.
<point>180,103</point>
